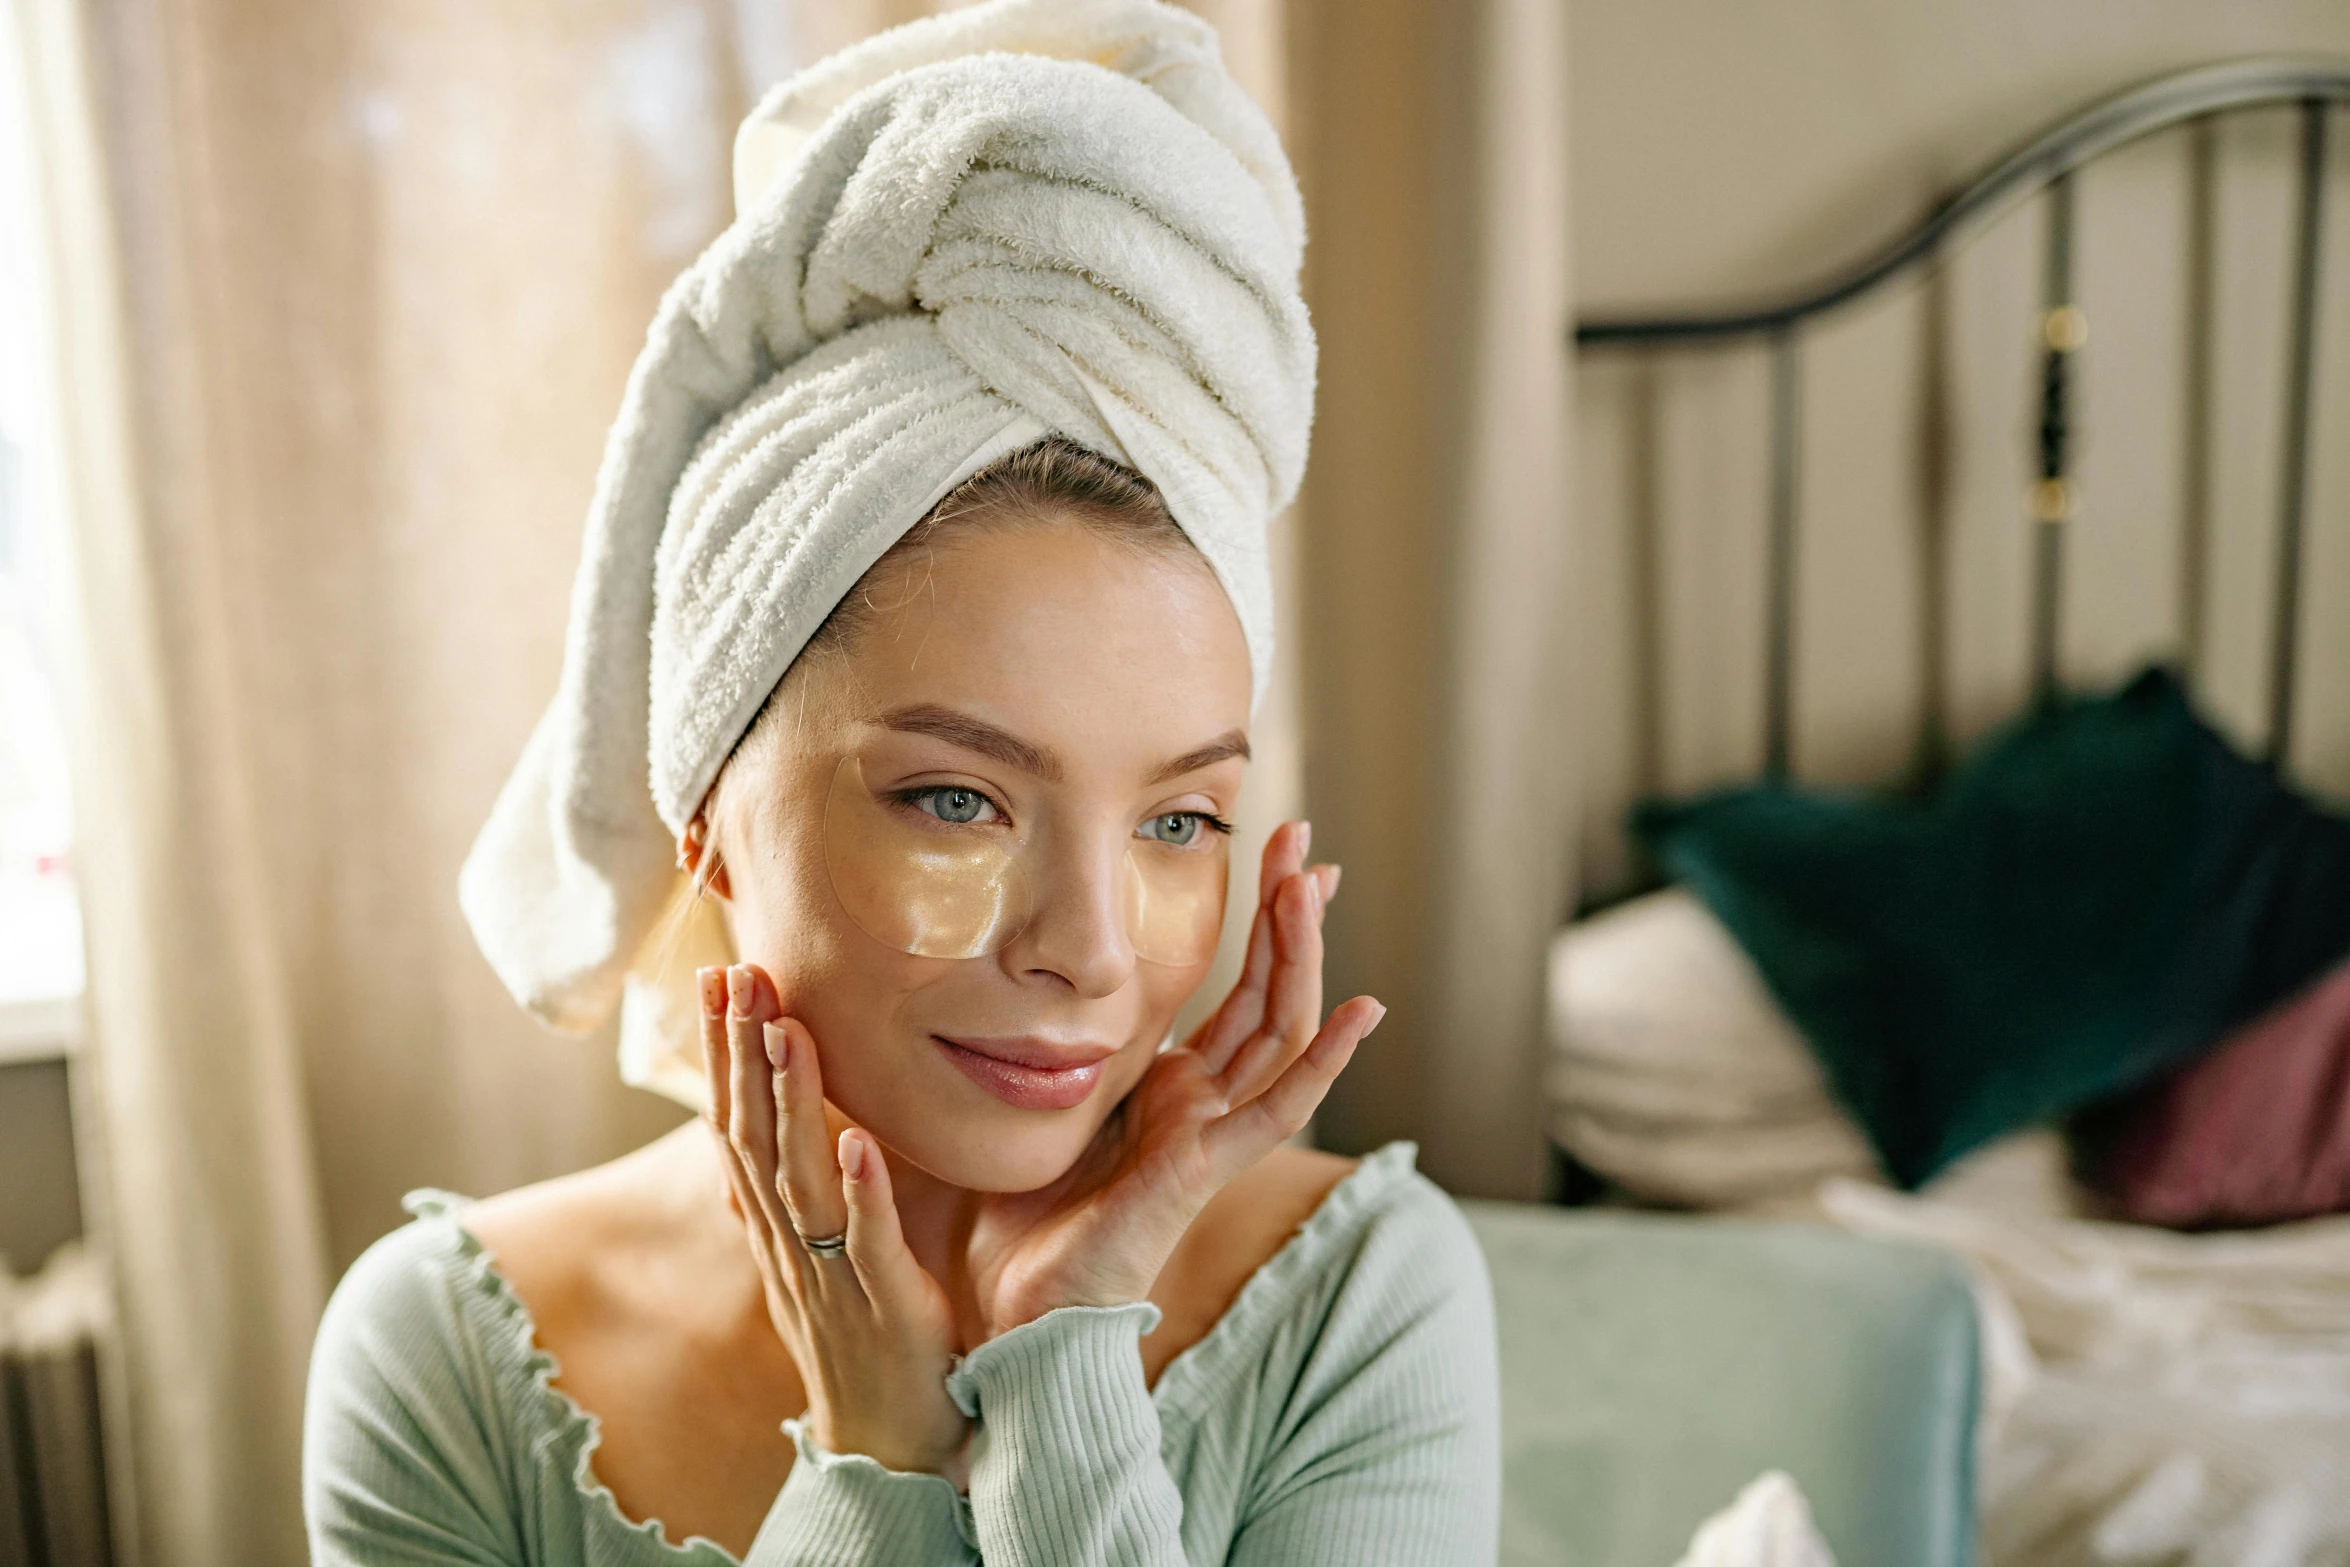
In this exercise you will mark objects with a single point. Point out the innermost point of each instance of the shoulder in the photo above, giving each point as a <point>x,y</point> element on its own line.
<point>1399,1252</point>
<point>1243,1226</point>
<point>430,1310</point>
<point>434,1328</point>
<point>1389,1315</point>
<point>418,1374</point>
<point>1377,1402</point>
<point>1383,1277</point>
<point>1362,1356</point>
<point>409,1300</point>
<point>1254,1216</point>
<point>1391,1337</point>
<point>548,1239</point>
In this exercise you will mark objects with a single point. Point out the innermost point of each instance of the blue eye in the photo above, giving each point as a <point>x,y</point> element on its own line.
<point>1179,828</point>
<point>956,806</point>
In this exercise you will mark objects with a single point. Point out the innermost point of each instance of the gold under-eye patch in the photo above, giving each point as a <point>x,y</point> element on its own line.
<point>940,889</point>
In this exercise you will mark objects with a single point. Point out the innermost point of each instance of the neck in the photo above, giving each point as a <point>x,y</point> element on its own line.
<point>936,1217</point>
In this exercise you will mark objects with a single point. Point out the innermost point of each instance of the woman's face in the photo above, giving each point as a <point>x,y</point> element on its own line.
<point>1033,691</point>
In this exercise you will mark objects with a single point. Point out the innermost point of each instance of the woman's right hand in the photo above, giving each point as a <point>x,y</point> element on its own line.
<point>871,1331</point>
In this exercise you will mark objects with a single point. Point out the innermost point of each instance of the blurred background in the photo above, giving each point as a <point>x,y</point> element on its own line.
<point>313,314</point>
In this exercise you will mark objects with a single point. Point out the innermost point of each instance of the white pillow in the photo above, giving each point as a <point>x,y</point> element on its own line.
<point>1675,1075</point>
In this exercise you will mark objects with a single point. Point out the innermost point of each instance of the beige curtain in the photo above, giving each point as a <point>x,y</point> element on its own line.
<point>345,295</point>
<point>198,1132</point>
<point>1432,141</point>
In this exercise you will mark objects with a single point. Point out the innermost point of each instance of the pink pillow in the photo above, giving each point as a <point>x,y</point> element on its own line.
<point>2256,1132</point>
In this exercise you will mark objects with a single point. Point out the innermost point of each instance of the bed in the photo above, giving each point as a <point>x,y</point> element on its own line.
<point>2151,1394</point>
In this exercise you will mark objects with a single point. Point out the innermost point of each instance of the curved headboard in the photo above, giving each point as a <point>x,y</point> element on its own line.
<point>2042,166</point>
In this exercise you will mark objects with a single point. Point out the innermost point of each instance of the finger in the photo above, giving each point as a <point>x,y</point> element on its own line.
<point>884,1264</point>
<point>810,1170</point>
<point>716,1068</point>
<point>748,1104</point>
<point>750,1007</point>
<point>725,1066</point>
<point>715,1064</point>
<point>1285,855</point>
<point>1244,1008</point>
<point>1241,1137</point>
<point>1294,997</point>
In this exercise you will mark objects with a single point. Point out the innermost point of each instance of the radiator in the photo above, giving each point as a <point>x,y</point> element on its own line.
<point>53,1496</point>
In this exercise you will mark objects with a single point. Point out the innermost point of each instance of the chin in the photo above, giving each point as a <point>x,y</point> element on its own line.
<point>1007,1151</point>
<point>1018,1164</point>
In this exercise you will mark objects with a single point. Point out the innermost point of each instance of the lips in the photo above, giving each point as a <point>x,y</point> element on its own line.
<point>1029,1073</point>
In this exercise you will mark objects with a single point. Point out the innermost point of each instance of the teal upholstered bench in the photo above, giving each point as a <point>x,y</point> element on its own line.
<point>1652,1365</point>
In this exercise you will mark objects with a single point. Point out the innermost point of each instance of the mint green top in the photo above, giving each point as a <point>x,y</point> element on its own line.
<point>1344,1410</point>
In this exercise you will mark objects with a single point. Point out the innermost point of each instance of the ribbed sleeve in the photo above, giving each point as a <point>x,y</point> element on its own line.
<point>845,1510</point>
<point>1066,1465</point>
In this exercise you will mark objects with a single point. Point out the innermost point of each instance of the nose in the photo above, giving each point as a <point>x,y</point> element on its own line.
<point>1077,936</point>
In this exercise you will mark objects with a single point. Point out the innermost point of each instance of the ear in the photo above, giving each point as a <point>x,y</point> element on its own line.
<point>698,857</point>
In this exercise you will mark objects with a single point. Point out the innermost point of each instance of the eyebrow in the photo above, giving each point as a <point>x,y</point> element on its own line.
<point>974,734</point>
<point>986,739</point>
<point>1223,748</point>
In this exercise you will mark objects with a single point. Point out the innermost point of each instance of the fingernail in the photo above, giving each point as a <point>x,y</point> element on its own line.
<point>1377,1020</point>
<point>738,986</point>
<point>713,990</point>
<point>852,1156</point>
<point>1330,874</point>
<point>1305,839</point>
<point>778,1047</point>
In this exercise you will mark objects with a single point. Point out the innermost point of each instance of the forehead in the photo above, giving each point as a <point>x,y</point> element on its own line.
<point>1115,654</point>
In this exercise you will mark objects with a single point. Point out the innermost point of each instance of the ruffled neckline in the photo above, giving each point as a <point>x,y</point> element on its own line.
<point>1270,1291</point>
<point>566,1424</point>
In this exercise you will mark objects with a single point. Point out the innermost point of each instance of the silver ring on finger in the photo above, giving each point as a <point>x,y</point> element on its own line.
<point>825,1245</point>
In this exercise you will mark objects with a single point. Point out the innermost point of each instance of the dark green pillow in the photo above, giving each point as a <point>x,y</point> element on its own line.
<point>2104,889</point>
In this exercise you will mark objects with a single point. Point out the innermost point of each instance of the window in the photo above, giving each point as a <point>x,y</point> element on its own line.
<point>40,920</point>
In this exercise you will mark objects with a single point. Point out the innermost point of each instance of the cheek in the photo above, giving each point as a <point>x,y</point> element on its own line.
<point>1165,987</point>
<point>853,994</point>
<point>1160,992</point>
<point>787,921</point>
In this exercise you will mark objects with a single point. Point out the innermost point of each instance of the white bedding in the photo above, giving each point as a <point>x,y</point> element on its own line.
<point>2150,1397</point>
<point>1768,1525</point>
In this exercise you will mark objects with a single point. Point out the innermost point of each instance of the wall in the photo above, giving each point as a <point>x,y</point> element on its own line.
<point>1722,152</point>
<point>39,1207</point>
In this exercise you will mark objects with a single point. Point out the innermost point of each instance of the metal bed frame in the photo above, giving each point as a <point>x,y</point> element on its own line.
<point>2047,164</point>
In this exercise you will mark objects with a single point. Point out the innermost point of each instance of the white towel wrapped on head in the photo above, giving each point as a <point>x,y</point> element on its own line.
<point>1028,217</point>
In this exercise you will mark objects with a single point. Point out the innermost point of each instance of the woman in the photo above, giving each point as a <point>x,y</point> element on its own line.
<point>927,574</point>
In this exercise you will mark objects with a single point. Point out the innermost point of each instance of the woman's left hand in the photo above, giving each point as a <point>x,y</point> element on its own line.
<point>1246,1080</point>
